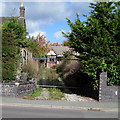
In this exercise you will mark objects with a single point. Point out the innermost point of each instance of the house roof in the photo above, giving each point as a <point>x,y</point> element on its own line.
<point>51,52</point>
<point>5,19</point>
<point>59,50</point>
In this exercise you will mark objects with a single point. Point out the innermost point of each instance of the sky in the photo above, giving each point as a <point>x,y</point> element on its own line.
<point>47,18</point>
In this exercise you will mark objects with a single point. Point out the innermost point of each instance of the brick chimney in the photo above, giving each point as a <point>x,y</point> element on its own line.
<point>22,10</point>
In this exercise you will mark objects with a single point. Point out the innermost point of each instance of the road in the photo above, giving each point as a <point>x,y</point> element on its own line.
<point>32,112</point>
<point>23,108</point>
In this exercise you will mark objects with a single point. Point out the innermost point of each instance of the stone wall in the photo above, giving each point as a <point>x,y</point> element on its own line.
<point>15,90</point>
<point>107,93</point>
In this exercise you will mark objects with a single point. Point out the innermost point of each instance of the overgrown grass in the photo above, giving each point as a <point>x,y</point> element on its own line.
<point>54,94</point>
<point>33,94</point>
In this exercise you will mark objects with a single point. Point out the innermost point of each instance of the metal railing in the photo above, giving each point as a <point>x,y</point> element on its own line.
<point>53,86</point>
<point>59,58</point>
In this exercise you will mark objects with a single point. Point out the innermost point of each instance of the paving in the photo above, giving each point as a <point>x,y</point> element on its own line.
<point>78,105</point>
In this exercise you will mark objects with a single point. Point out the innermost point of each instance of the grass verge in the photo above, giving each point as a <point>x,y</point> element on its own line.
<point>37,94</point>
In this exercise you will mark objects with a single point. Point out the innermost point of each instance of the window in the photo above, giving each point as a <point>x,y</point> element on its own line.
<point>51,59</point>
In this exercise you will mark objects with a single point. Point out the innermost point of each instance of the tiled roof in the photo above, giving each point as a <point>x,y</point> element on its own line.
<point>59,50</point>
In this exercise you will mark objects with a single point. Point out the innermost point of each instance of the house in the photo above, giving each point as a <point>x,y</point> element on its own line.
<point>55,54</point>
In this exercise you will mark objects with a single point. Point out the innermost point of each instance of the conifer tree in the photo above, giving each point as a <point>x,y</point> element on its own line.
<point>98,41</point>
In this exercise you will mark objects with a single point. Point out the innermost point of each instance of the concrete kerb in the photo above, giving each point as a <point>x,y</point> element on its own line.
<point>63,107</point>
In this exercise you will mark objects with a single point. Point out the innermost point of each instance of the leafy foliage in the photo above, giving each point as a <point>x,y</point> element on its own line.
<point>55,44</point>
<point>38,46</point>
<point>65,43</point>
<point>13,35</point>
<point>98,42</point>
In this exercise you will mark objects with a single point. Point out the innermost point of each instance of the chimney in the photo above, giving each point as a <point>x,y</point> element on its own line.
<point>22,10</point>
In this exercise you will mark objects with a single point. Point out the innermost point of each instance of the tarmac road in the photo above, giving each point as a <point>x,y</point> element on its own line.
<point>32,112</point>
<point>22,108</point>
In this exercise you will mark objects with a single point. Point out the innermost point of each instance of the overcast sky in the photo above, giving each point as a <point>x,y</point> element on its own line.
<point>48,18</point>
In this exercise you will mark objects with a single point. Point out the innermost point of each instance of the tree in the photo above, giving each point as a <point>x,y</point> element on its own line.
<point>38,46</point>
<point>98,42</point>
<point>13,36</point>
<point>55,44</point>
<point>66,43</point>
<point>41,41</point>
<point>13,33</point>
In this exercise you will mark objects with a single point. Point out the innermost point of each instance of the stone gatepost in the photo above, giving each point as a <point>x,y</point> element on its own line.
<point>107,93</point>
<point>103,83</point>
